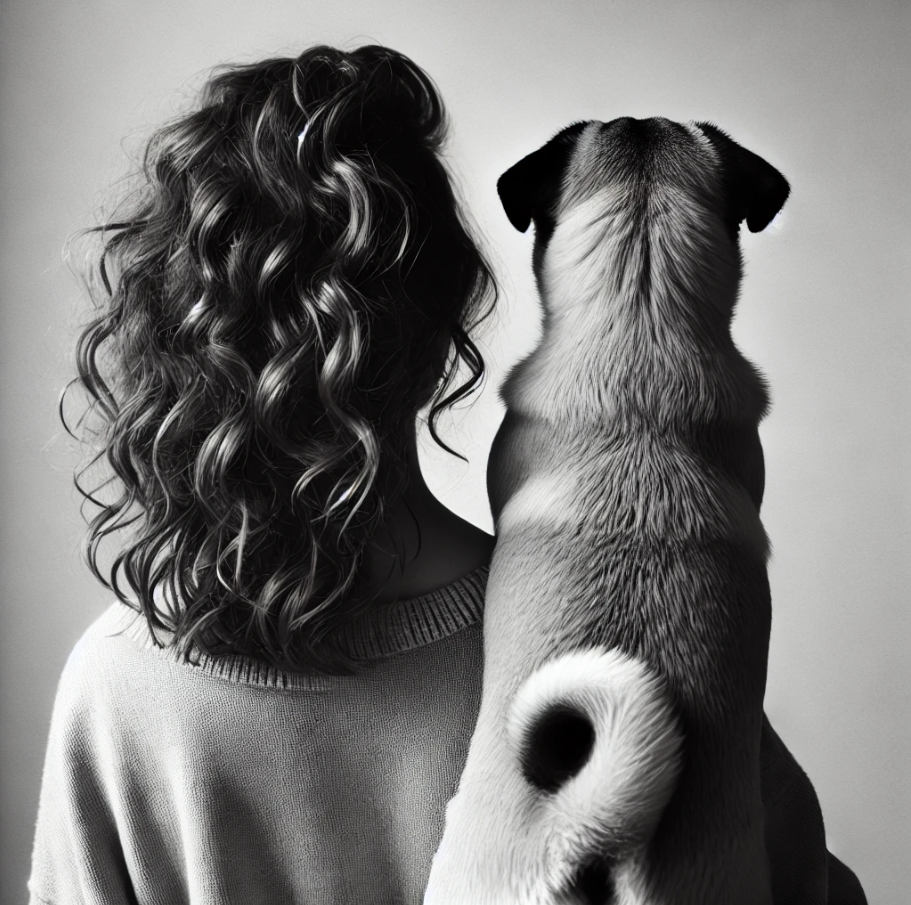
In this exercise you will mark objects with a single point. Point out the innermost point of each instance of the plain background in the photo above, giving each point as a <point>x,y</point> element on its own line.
<point>819,89</point>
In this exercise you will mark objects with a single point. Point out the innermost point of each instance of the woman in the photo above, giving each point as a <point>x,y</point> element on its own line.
<point>278,706</point>
<point>292,283</point>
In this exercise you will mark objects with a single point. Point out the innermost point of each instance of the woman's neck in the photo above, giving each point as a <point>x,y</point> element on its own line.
<point>422,545</point>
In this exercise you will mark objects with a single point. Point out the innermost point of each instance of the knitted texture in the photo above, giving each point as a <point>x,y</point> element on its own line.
<point>231,782</point>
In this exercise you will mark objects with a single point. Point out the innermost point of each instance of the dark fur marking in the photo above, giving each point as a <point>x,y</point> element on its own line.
<point>558,747</point>
<point>756,190</point>
<point>594,884</point>
<point>530,189</point>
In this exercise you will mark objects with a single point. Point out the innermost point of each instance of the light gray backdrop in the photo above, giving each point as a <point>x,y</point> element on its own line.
<point>820,89</point>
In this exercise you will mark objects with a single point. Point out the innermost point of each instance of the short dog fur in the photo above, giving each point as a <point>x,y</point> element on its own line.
<point>616,754</point>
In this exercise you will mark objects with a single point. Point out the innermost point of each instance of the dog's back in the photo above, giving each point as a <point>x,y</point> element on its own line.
<point>625,484</point>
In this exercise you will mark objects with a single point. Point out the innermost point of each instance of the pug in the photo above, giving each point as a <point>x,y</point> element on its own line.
<point>616,756</point>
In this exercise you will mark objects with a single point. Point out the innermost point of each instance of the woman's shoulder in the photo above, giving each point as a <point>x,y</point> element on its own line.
<point>120,666</point>
<point>100,662</point>
<point>112,654</point>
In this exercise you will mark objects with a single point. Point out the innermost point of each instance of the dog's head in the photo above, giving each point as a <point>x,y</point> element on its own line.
<point>651,178</point>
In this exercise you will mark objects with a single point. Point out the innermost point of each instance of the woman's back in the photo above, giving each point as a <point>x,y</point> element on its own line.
<point>229,781</point>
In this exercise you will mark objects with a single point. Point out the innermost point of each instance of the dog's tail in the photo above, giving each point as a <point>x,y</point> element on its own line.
<point>597,740</point>
<point>556,809</point>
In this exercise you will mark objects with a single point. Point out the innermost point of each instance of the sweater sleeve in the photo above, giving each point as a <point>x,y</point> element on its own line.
<point>77,857</point>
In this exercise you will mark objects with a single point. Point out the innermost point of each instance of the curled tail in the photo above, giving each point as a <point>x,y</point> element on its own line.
<point>559,814</point>
<point>596,739</point>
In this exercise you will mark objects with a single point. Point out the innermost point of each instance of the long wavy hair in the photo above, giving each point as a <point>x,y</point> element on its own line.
<point>289,283</point>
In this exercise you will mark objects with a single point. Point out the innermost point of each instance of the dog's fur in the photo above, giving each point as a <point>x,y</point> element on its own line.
<point>616,754</point>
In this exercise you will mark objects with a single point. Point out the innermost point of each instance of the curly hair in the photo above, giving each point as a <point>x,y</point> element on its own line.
<point>291,282</point>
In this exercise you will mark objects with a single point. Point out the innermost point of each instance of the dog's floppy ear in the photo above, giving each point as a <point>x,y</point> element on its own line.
<point>529,189</point>
<point>758,190</point>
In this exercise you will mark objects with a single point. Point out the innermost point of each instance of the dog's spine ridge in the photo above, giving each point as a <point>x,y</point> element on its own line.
<point>596,737</point>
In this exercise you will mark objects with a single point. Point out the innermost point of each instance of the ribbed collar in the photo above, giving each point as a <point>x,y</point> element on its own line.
<point>387,630</point>
<point>396,627</point>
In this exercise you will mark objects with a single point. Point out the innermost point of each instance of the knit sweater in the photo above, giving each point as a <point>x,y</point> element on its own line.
<point>231,782</point>
<point>228,782</point>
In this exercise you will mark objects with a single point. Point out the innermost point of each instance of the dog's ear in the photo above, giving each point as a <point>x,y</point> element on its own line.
<point>758,190</point>
<point>529,189</point>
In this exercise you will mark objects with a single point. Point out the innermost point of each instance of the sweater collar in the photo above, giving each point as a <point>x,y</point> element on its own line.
<point>381,632</point>
<point>394,628</point>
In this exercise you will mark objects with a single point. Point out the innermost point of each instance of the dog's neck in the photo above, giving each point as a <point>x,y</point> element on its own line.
<point>637,304</point>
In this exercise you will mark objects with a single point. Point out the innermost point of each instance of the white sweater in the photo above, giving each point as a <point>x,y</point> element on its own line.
<point>230,782</point>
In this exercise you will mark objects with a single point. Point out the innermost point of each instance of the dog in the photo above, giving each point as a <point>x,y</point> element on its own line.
<point>616,754</point>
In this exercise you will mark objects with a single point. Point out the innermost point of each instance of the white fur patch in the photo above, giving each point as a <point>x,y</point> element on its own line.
<point>547,499</point>
<point>521,846</point>
<point>612,805</point>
